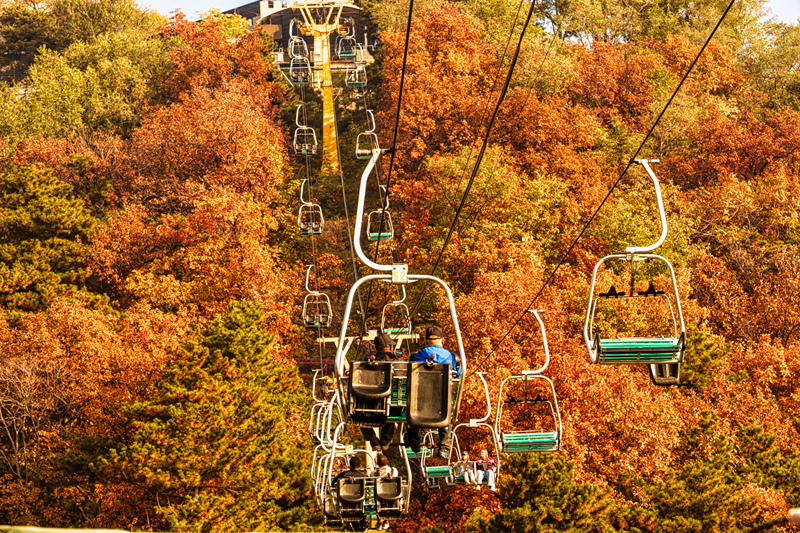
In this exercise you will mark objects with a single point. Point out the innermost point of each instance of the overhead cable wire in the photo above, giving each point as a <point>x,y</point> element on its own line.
<point>484,145</point>
<point>602,203</point>
<point>347,217</point>
<point>490,92</point>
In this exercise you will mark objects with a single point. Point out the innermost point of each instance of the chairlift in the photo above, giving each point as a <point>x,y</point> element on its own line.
<point>300,70</point>
<point>379,221</point>
<point>652,350</point>
<point>317,311</point>
<point>297,45</point>
<point>347,48</point>
<point>367,141</point>
<point>310,219</point>
<point>305,138</point>
<point>396,317</point>
<point>355,76</point>
<point>371,498</point>
<point>458,477</point>
<point>545,438</point>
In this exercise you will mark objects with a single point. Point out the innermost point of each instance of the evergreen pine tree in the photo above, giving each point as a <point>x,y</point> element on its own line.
<point>218,446</point>
<point>703,493</point>
<point>539,494</point>
<point>43,233</point>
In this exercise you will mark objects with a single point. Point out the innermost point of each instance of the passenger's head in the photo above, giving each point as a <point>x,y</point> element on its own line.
<point>433,335</point>
<point>383,460</point>
<point>484,454</point>
<point>383,343</point>
<point>466,456</point>
<point>355,463</point>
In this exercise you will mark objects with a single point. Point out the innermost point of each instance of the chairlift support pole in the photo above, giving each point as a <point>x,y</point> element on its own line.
<point>321,30</point>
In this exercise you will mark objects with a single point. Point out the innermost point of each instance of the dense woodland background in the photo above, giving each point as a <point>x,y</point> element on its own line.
<point>151,270</point>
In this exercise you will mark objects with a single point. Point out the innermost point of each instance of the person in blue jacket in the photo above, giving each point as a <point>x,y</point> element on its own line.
<point>434,351</point>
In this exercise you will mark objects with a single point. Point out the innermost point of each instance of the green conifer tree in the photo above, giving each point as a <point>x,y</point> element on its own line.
<point>218,446</point>
<point>703,493</point>
<point>539,494</point>
<point>43,239</point>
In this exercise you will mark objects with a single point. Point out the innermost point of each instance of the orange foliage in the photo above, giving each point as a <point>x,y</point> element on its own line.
<point>218,138</point>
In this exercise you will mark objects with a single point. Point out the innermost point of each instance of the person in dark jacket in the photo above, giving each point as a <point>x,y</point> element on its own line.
<point>355,470</point>
<point>384,351</point>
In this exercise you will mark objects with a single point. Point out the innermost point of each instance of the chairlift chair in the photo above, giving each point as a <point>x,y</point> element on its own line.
<point>368,497</point>
<point>530,439</point>
<point>459,478</point>
<point>305,138</point>
<point>519,440</point>
<point>346,47</point>
<point>379,221</point>
<point>653,350</point>
<point>305,141</point>
<point>367,142</point>
<point>376,219</point>
<point>432,390</point>
<point>317,311</point>
<point>297,45</point>
<point>300,70</point>
<point>355,76</point>
<point>310,219</point>
<point>396,317</point>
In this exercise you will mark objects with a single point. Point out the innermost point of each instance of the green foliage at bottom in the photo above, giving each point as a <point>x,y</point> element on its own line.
<point>539,495</point>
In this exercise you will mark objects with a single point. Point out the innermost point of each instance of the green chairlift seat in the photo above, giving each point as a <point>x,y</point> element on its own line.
<point>530,441</point>
<point>639,350</point>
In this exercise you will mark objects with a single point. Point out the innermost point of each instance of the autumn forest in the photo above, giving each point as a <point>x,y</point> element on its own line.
<point>154,368</point>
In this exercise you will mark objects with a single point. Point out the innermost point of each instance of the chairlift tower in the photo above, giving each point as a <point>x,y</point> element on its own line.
<point>320,19</point>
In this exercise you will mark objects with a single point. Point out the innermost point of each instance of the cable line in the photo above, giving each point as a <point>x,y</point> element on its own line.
<point>591,219</point>
<point>483,148</point>
<point>347,219</point>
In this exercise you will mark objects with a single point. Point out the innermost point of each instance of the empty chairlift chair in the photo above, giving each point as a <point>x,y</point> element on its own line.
<point>305,138</point>
<point>297,45</point>
<point>396,317</point>
<point>662,352</point>
<point>347,48</point>
<point>355,76</point>
<point>379,222</point>
<point>317,311</point>
<point>535,426</point>
<point>367,142</point>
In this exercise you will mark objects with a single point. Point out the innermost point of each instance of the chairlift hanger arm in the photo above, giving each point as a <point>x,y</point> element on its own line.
<point>308,277</point>
<point>544,341</point>
<point>376,154</point>
<point>661,212</point>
